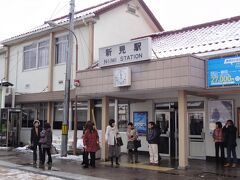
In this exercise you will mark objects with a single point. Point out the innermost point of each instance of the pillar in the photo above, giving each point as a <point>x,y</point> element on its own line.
<point>50,113</point>
<point>183,130</point>
<point>51,62</point>
<point>90,109</point>
<point>90,42</point>
<point>105,117</point>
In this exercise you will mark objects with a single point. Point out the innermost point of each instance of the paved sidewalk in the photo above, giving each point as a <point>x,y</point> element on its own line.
<point>69,169</point>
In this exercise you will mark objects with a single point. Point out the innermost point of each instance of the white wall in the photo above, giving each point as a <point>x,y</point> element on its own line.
<point>118,26</point>
<point>36,78</point>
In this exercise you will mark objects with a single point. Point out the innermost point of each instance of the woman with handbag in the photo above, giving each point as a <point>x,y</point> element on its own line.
<point>91,144</point>
<point>46,143</point>
<point>132,146</point>
<point>111,138</point>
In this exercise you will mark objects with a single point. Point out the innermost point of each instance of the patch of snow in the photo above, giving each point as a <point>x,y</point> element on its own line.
<point>69,157</point>
<point>5,148</point>
<point>23,149</point>
<point>80,143</point>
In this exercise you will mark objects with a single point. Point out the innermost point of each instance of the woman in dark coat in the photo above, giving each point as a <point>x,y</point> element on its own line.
<point>91,144</point>
<point>230,133</point>
<point>46,141</point>
<point>35,137</point>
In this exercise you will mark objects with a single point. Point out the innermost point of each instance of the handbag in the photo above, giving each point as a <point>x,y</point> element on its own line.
<point>119,141</point>
<point>137,143</point>
<point>130,145</point>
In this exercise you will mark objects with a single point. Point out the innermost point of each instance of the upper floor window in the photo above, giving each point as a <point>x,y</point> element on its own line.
<point>35,55</point>
<point>61,49</point>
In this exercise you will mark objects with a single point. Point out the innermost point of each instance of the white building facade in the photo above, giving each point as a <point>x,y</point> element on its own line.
<point>35,61</point>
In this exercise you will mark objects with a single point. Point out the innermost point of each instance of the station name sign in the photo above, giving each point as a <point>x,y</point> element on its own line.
<point>223,71</point>
<point>133,51</point>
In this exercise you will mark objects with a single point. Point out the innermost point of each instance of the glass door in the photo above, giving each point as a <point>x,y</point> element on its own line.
<point>196,135</point>
<point>163,122</point>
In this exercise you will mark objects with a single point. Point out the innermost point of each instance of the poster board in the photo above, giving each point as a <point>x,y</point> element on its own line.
<point>219,110</point>
<point>140,121</point>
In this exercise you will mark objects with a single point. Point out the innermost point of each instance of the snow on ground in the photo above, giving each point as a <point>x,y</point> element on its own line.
<point>12,174</point>
<point>5,148</point>
<point>69,157</point>
<point>23,149</point>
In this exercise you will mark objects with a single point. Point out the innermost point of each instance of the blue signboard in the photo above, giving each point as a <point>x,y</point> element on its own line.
<point>223,71</point>
<point>140,122</point>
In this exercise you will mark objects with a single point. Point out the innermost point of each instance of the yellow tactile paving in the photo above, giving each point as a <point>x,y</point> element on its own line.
<point>142,166</point>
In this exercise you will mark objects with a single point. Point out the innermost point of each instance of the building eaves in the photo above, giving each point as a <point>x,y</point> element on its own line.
<point>207,37</point>
<point>84,14</point>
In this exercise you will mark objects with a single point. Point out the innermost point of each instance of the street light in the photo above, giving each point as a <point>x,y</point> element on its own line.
<point>53,24</point>
<point>67,79</point>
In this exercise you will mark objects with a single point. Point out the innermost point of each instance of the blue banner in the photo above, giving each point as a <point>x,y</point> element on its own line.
<point>140,122</point>
<point>223,71</point>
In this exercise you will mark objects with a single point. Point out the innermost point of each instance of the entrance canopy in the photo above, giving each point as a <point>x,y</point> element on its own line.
<point>146,80</point>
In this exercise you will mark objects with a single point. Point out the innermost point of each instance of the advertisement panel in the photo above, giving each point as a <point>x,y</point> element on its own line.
<point>223,71</point>
<point>140,122</point>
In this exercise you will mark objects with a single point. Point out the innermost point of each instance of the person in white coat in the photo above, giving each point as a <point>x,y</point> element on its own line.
<point>110,136</point>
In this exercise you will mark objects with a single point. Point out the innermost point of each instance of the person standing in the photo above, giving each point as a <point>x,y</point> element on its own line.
<point>218,139</point>
<point>132,136</point>
<point>35,137</point>
<point>230,134</point>
<point>46,141</point>
<point>111,138</point>
<point>153,141</point>
<point>91,144</point>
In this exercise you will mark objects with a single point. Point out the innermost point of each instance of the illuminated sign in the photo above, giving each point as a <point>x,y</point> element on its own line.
<point>223,71</point>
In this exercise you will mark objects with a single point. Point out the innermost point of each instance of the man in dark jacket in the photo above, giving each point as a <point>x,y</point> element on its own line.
<point>35,136</point>
<point>153,140</point>
<point>230,134</point>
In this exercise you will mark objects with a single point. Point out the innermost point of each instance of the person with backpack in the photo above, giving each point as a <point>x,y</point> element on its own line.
<point>35,137</point>
<point>46,143</point>
<point>153,141</point>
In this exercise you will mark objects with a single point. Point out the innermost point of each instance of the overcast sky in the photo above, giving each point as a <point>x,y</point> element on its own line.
<point>18,16</point>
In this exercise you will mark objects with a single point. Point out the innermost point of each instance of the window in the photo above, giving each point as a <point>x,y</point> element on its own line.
<point>36,55</point>
<point>61,49</point>
<point>30,57</point>
<point>28,115</point>
<point>43,49</point>
<point>58,116</point>
<point>81,115</point>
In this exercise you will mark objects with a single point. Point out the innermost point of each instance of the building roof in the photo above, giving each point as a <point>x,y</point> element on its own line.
<point>202,38</point>
<point>84,15</point>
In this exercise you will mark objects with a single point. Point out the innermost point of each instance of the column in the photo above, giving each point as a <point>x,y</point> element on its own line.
<point>7,61</point>
<point>183,130</point>
<point>90,42</point>
<point>105,117</point>
<point>50,113</point>
<point>90,109</point>
<point>51,62</point>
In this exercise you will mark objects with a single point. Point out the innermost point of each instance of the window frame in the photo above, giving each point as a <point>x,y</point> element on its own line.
<point>36,50</point>
<point>65,39</point>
